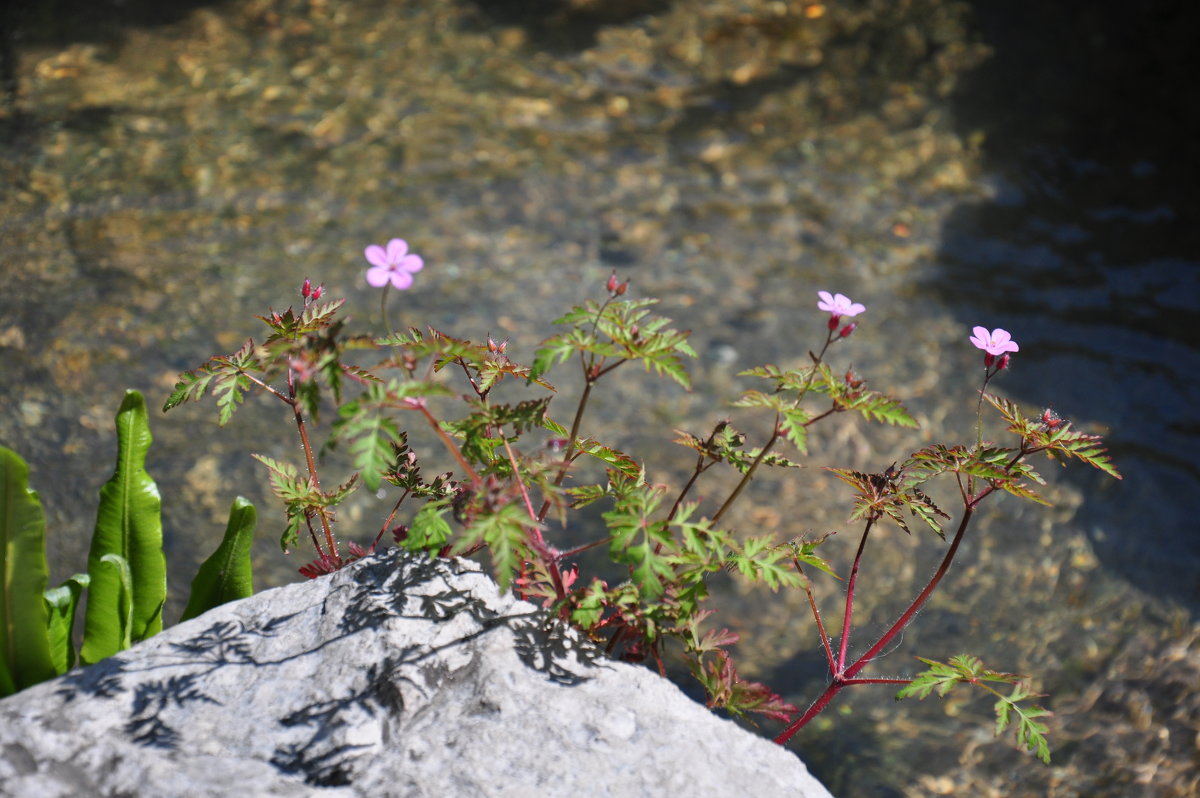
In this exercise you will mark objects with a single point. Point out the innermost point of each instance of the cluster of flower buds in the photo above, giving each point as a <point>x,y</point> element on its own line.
<point>1001,363</point>
<point>615,288</point>
<point>311,293</point>
<point>1051,420</point>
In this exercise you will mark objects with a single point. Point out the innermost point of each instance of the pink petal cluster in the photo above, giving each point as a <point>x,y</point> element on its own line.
<point>838,305</point>
<point>996,342</point>
<point>394,265</point>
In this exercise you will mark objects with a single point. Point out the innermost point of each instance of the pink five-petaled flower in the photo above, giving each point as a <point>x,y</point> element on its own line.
<point>839,305</point>
<point>394,265</point>
<point>996,342</point>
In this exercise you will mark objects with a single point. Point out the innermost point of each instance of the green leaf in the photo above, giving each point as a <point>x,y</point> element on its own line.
<point>228,574</point>
<point>506,533</point>
<point>371,436</point>
<point>25,656</point>
<point>129,525</point>
<point>966,669</point>
<point>116,568</point>
<point>791,380</point>
<point>429,530</point>
<point>793,421</point>
<point>61,603</point>
<point>1030,732</point>
<point>224,376</point>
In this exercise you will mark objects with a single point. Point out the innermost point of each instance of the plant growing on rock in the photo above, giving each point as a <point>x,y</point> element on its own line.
<point>126,577</point>
<point>509,492</point>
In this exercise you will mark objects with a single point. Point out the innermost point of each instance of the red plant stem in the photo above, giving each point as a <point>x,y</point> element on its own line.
<point>812,603</point>
<point>449,444</point>
<point>920,600</point>
<point>749,472</point>
<point>846,676</point>
<point>862,544</point>
<point>391,515</point>
<point>539,541</point>
<point>566,463</point>
<point>311,462</point>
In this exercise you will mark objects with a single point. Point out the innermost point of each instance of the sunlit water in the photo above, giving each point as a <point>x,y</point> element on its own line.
<point>162,188</point>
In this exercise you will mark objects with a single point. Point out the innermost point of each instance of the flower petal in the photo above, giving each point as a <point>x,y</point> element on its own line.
<point>401,280</point>
<point>396,249</point>
<point>411,263</point>
<point>376,256</point>
<point>378,276</point>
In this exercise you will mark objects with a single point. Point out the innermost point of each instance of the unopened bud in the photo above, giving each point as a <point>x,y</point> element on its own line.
<point>635,332</point>
<point>612,283</point>
<point>316,292</point>
<point>1050,418</point>
<point>988,360</point>
<point>492,346</point>
<point>1003,362</point>
<point>849,328</point>
<point>306,289</point>
<point>622,288</point>
<point>833,322</point>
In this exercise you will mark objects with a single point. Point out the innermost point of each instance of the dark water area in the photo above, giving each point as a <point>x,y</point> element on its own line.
<point>1091,247</point>
<point>167,170</point>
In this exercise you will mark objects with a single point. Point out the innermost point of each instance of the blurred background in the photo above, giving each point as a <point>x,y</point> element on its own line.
<point>170,169</point>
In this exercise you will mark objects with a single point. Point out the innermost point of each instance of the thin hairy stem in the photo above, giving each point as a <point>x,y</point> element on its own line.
<point>907,616</point>
<point>448,443</point>
<point>812,603</point>
<point>311,462</point>
<point>862,544</point>
<point>737,491</point>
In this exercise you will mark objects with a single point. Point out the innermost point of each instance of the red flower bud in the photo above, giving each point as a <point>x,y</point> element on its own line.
<point>988,360</point>
<point>1050,418</point>
<point>622,288</point>
<point>833,321</point>
<point>849,328</point>
<point>316,292</point>
<point>1003,362</point>
<point>306,289</point>
<point>612,283</point>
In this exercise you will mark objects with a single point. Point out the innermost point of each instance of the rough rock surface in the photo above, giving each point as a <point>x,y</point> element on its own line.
<point>397,676</point>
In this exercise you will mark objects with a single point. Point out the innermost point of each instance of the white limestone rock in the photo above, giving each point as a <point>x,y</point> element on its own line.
<point>397,676</point>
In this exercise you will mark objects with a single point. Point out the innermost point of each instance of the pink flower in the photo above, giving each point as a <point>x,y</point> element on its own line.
<point>393,265</point>
<point>996,342</point>
<point>839,305</point>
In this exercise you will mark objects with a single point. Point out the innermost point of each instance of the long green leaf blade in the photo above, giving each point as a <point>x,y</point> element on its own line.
<point>24,644</point>
<point>61,603</point>
<point>228,574</point>
<point>129,525</point>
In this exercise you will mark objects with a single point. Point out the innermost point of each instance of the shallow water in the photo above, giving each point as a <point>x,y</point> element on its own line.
<point>164,183</point>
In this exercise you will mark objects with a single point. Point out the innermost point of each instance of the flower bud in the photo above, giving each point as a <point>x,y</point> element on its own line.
<point>316,292</point>
<point>306,289</point>
<point>833,321</point>
<point>1002,364</point>
<point>849,328</point>
<point>988,360</point>
<point>1050,418</point>
<point>612,283</point>
<point>622,288</point>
